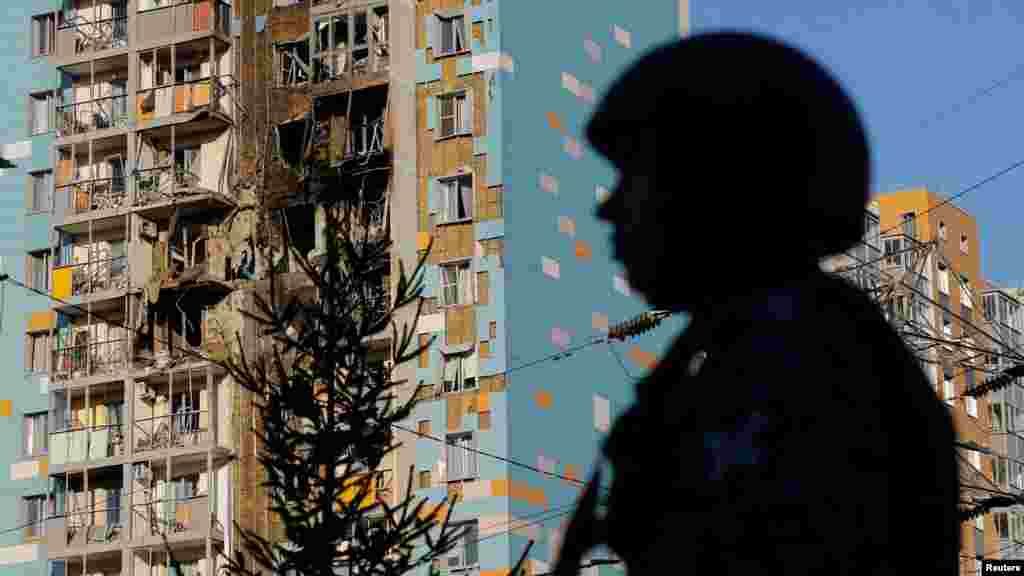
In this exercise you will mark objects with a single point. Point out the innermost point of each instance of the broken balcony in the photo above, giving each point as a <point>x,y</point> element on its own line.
<point>345,131</point>
<point>184,78</point>
<point>90,26</point>
<point>351,44</point>
<point>173,501</point>
<point>176,162</point>
<point>91,177</point>
<point>93,96</point>
<point>172,411</point>
<point>93,263</point>
<point>88,424</point>
<point>90,349</point>
<point>90,516</point>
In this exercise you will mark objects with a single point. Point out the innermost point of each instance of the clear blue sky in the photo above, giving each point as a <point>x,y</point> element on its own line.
<point>906,62</point>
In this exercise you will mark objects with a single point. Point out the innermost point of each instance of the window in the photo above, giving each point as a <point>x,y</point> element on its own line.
<point>456,114</point>
<point>942,231</point>
<point>972,403</point>
<point>34,434</point>
<point>963,243</point>
<point>943,279</point>
<point>43,33</point>
<point>988,304</point>
<point>948,390</point>
<point>893,252</point>
<point>39,266</point>
<point>947,316</point>
<point>36,351</point>
<point>456,197</point>
<point>1001,472</point>
<point>292,62</point>
<point>975,458</point>
<point>425,480</point>
<point>423,427</point>
<point>455,284</point>
<point>461,456</point>
<point>34,508</point>
<point>908,225</point>
<point>464,555</point>
<point>451,35</point>
<point>39,199</point>
<point>965,291</point>
<point>460,373</point>
<point>996,416</point>
<point>41,112</point>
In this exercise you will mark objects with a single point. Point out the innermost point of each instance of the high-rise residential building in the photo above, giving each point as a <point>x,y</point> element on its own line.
<point>170,125</point>
<point>24,240</point>
<point>927,280</point>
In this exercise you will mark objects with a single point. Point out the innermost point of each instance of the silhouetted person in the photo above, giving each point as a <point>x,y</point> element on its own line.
<point>825,450</point>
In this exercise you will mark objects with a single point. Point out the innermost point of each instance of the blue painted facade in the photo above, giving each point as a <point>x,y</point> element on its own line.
<point>545,416</point>
<point>20,233</point>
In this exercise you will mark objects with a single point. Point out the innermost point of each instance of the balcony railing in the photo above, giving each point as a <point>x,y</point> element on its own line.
<point>364,138</point>
<point>83,443</point>
<point>184,428</point>
<point>90,115</point>
<point>153,185</point>
<point>82,36</point>
<point>107,357</point>
<point>97,194</point>
<point>97,275</point>
<point>165,516</point>
<point>100,524</point>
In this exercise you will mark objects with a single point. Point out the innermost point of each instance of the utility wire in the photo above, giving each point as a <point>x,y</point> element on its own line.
<point>960,194</point>
<point>986,91</point>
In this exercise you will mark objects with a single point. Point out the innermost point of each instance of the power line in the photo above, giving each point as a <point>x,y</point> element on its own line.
<point>974,97</point>
<point>960,194</point>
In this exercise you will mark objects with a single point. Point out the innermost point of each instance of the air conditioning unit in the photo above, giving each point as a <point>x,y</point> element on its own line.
<point>148,229</point>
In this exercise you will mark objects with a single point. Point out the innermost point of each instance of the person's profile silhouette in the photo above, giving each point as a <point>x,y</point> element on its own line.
<point>742,163</point>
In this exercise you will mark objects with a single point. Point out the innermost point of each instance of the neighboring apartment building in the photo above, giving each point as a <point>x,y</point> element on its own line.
<point>24,240</point>
<point>929,286</point>
<point>1003,311</point>
<point>142,270</point>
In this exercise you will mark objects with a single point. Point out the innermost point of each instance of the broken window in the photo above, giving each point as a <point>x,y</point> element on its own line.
<point>293,62</point>
<point>456,287</point>
<point>381,48</point>
<point>456,114</point>
<point>302,227</point>
<point>452,35</point>
<point>456,198</point>
<point>360,42</point>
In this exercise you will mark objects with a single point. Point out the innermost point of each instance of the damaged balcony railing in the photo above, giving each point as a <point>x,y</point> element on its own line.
<point>82,360</point>
<point>99,275</point>
<point>90,115</point>
<point>155,184</point>
<point>172,513</point>
<point>87,35</point>
<point>95,194</point>
<point>79,443</point>
<point>183,428</point>
<point>174,98</point>
<point>365,138</point>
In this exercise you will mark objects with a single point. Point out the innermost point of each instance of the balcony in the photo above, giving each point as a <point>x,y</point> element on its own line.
<point>90,177</point>
<point>85,196</point>
<point>172,411</point>
<point>352,45</point>
<point>164,20</point>
<point>96,358</point>
<point>173,501</point>
<point>92,115</point>
<point>88,29</point>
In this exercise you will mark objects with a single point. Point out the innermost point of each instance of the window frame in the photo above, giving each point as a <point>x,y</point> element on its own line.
<point>466,127</point>
<point>34,419</point>
<point>27,504</point>
<point>964,247</point>
<point>39,263</point>
<point>50,18</point>
<point>460,289</point>
<point>469,538</point>
<point>444,193</point>
<point>47,178</point>
<point>469,464</point>
<point>440,20</point>
<point>948,388</point>
<point>50,96</point>
<point>459,383</point>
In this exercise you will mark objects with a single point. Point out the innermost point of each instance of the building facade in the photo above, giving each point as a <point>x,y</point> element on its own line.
<point>171,124</point>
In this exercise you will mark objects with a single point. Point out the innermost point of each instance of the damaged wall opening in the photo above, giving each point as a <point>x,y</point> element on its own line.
<point>347,130</point>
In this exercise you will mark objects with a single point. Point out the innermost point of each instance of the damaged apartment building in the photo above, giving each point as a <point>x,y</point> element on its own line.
<point>189,136</point>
